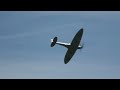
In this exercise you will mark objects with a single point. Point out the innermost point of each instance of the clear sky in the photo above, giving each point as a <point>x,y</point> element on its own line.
<point>25,50</point>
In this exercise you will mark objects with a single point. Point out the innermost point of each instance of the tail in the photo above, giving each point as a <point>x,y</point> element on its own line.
<point>53,41</point>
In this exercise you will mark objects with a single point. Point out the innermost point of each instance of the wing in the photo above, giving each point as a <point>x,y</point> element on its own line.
<point>77,37</point>
<point>69,55</point>
<point>63,44</point>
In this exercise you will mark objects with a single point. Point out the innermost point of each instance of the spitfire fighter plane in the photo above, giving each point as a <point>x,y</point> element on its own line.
<point>72,47</point>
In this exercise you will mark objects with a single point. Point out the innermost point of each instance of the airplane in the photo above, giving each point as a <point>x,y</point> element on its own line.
<point>72,47</point>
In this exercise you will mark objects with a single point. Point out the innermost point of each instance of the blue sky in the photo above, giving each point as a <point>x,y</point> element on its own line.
<point>25,50</point>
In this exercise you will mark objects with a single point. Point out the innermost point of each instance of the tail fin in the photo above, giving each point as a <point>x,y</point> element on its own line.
<point>53,41</point>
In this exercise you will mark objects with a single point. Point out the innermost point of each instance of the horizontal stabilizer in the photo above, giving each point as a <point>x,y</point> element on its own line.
<point>53,41</point>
